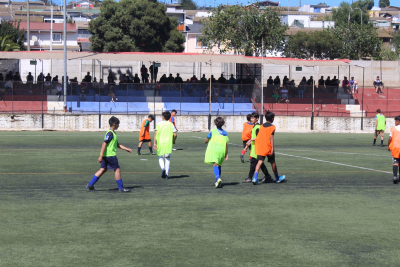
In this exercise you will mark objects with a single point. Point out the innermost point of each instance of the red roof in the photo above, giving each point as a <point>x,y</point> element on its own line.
<point>43,26</point>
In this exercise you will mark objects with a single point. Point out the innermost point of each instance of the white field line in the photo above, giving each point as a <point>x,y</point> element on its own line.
<point>324,161</point>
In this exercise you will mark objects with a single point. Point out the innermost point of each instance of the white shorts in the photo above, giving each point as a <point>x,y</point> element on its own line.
<point>174,130</point>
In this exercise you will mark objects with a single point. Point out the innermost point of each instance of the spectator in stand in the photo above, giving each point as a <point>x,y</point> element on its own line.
<point>249,80</point>
<point>203,79</point>
<point>285,94</point>
<point>292,89</point>
<point>277,82</point>
<point>270,83</point>
<point>328,84</point>
<point>178,79</point>
<point>213,95</point>
<point>102,87</point>
<point>193,79</point>
<point>111,93</point>
<point>353,85</point>
<point>164,79</point>
<point>285,81</point>
<point>74,85</point>
<point>153,71</point>
<point>88,78</point>
<point>302,87</point>
<point>346,85</point>
<point>232,80</point>
<point>110,78</point>
<point>29,78</point>
<point>47,83</point>
<point>143,73</point>
<point>170,78</point>
<point>275,94</point>
<point>187,88</point>
<point>378,85</point>
<point>17,77</point>
<point>96,86</point>
<point>212,80</point>
<point>40,77</point>
<point>59,90</point>
<point>55,81</point>
<point>310,84</point>
<point>222,79</point>
<point>321,84</point>
<point>10,76</point>
<point>335,84</point>
<point>229,93</point>
<point>83,90</point>
<point>136,78</point>
<point>2,78</point>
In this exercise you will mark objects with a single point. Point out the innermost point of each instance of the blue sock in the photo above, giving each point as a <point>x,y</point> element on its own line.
<point>256,175</point>
<point>276,176</point>
<point>216,172</point>
<point>151,149</point>
<point>94,180</point>
<point>138,150</point>
<point>219,168</point>
<point>381,142</point>
<point>120,184</point>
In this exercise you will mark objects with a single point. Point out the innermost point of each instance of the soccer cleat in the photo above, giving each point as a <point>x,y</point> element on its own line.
<point>90,187</point>
<point>138,154</point>
<point>281,178</point>
<point>395,181</point>
<point>163,174</point>
<point>218,183</point>
<point>255,181</point>
<point>242,158</point>
<point>381,145</point>
<point>248,180</point>
<point>124,190</point>
<point>166,177</point>
<point>266,179</point>
<point>153,153</point>
<point>174,149</point>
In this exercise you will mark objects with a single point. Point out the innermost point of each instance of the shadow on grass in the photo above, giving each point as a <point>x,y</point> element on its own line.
<point>177,176</point>
<point>227,184</point>
<point>116,189</point>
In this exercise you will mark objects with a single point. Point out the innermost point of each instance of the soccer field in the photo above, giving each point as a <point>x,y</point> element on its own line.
<point>338,206</point>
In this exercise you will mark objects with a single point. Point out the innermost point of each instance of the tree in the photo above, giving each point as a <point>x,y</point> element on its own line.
<point>188,5</point>
<point>244,29</point>
<point>396,42</point>
<point>6,44</point>
<point>341,15</point>
<point>364,4</point>
<point>384,3</point>
<point>387,53</point>
<point>14,33</point>
<point>321,44</point>
<point>135,25</point>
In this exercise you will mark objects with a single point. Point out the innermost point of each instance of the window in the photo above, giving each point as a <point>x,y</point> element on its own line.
<point>56,37</point>
<point>199,43</point>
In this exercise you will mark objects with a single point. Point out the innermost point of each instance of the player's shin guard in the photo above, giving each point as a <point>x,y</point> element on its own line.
<point>120,184</point>
<point>94,180</point>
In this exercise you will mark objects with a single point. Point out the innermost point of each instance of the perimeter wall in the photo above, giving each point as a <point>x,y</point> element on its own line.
<point>70,122</point>
<point>389,71</point>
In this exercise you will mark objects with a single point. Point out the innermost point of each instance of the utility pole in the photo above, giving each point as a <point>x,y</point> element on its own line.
<point>29,28</point>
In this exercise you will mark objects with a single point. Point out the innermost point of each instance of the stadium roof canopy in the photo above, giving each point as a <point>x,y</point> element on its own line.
<point>169,57</point>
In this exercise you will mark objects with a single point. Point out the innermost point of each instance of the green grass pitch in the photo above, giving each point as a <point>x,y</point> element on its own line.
<point>338,206</point>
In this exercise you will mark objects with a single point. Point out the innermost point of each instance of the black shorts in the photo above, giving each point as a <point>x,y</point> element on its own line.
<point>271,158</point>
<point>245,143</point>
<point>109,163</point>
<point>145,140</point>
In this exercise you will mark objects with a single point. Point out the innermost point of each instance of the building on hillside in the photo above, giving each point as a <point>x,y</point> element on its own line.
<point>40,36</point>
<point>304,21</point>
<point>314,8</point>
<point>264,4</point>
<point>84,4</point>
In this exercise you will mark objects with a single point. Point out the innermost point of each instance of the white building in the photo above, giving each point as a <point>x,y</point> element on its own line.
<point>314,8</point>
<point>304,21</point>
<point>40,36</point>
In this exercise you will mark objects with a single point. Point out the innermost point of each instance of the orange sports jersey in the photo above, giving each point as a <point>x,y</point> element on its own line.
<point>173,121</point>
<point>246,133</point>
<point>394,145</point>
<point>146,131</point>
<point>263,144</point>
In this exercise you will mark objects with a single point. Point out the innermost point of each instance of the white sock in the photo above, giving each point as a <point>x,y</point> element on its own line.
<point>167,163</point>
<point>161,161</point>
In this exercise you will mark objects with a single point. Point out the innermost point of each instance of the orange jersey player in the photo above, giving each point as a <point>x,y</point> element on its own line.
<point>175,130</point>
<point>144,135</point>
<point>265,147</point>
<point>394,147</point>
<point>246,135</point>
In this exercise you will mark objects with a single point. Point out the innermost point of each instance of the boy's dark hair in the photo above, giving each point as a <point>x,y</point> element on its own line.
<point>379,111</point>
<point>113,120</point>
<point>219,122</point>
<point>269,116</point>
<point>174,110</point>
<point>151,117</point>
<point>166,115</point>
<point>397,118</point>
<point>248,117</point>
<point>255,115</point>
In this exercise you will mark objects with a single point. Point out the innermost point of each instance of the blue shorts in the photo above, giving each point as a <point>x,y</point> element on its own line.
<point>109,163</point>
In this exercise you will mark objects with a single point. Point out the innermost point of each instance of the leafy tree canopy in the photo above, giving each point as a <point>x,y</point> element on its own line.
<point>364,4</point>
<point>244,29</point>
<point>341,15</point>
<point>384,3</point>
<point>135,26</point>
<point>13,35</point>
<point>188,5</point>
